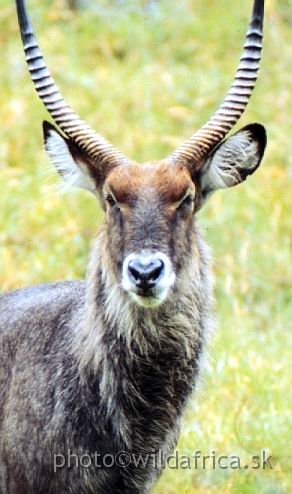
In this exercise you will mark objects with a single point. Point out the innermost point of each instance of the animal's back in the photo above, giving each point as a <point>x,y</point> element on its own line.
<point>26,313</point>
<point>33,324</point>
<point>36,327</point>
<point>44,299</point>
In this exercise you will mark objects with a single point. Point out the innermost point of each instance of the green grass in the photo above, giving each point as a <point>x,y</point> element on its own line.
<point>146,78</point>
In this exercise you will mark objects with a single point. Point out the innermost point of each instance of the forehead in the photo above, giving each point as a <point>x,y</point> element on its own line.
<point>164,179</point>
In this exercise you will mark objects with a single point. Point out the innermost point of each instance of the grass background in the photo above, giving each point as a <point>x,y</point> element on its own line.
<point>146,74</point>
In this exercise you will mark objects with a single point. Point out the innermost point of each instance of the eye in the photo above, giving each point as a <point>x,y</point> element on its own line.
<point>187,201</point>
<point>110,200</point>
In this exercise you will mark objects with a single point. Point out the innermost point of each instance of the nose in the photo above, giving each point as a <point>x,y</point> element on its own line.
<point>144,272</point>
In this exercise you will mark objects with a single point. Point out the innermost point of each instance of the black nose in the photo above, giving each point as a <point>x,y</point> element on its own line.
<point>145,273</point>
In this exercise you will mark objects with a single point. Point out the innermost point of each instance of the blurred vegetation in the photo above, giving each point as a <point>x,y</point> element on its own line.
<point>146,74</point>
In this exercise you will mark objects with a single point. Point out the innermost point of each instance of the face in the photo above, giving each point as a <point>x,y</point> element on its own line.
<point>150,208</point>
<point>149,218</point>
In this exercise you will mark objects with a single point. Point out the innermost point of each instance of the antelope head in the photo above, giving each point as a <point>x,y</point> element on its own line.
<point>150,208</point>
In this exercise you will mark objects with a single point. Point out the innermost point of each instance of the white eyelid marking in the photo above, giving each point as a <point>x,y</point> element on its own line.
<point>108,192</point>
<point>189,192</point>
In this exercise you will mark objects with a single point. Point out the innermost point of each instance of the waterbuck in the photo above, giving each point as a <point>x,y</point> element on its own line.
<point>106,365</point>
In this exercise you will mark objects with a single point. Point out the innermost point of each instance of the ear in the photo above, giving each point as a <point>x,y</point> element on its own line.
<point>73,167</point>
<point>233,160</point>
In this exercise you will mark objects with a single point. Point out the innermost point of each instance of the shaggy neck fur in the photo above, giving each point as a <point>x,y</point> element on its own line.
<point>145,360</point>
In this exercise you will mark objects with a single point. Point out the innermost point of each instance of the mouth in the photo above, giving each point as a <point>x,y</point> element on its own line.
<point>147,298</point>
<point>145,290</point>
<point>149,295</point>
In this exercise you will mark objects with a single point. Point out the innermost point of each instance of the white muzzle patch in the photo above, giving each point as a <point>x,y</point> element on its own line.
<point>147,277</point>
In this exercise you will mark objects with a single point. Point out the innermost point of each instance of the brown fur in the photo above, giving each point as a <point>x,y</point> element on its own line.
<point>170,182</point>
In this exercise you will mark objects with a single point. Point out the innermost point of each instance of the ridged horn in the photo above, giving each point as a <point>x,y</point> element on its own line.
<point>101,153</point>
<point>193,151</point>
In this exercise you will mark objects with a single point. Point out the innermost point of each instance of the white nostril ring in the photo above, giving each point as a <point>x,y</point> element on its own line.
<point>149,271</point>
<point>145,272</point>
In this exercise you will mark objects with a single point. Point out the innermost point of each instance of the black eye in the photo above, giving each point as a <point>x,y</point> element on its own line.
<point>110,200</point>
<point>187,201</point>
